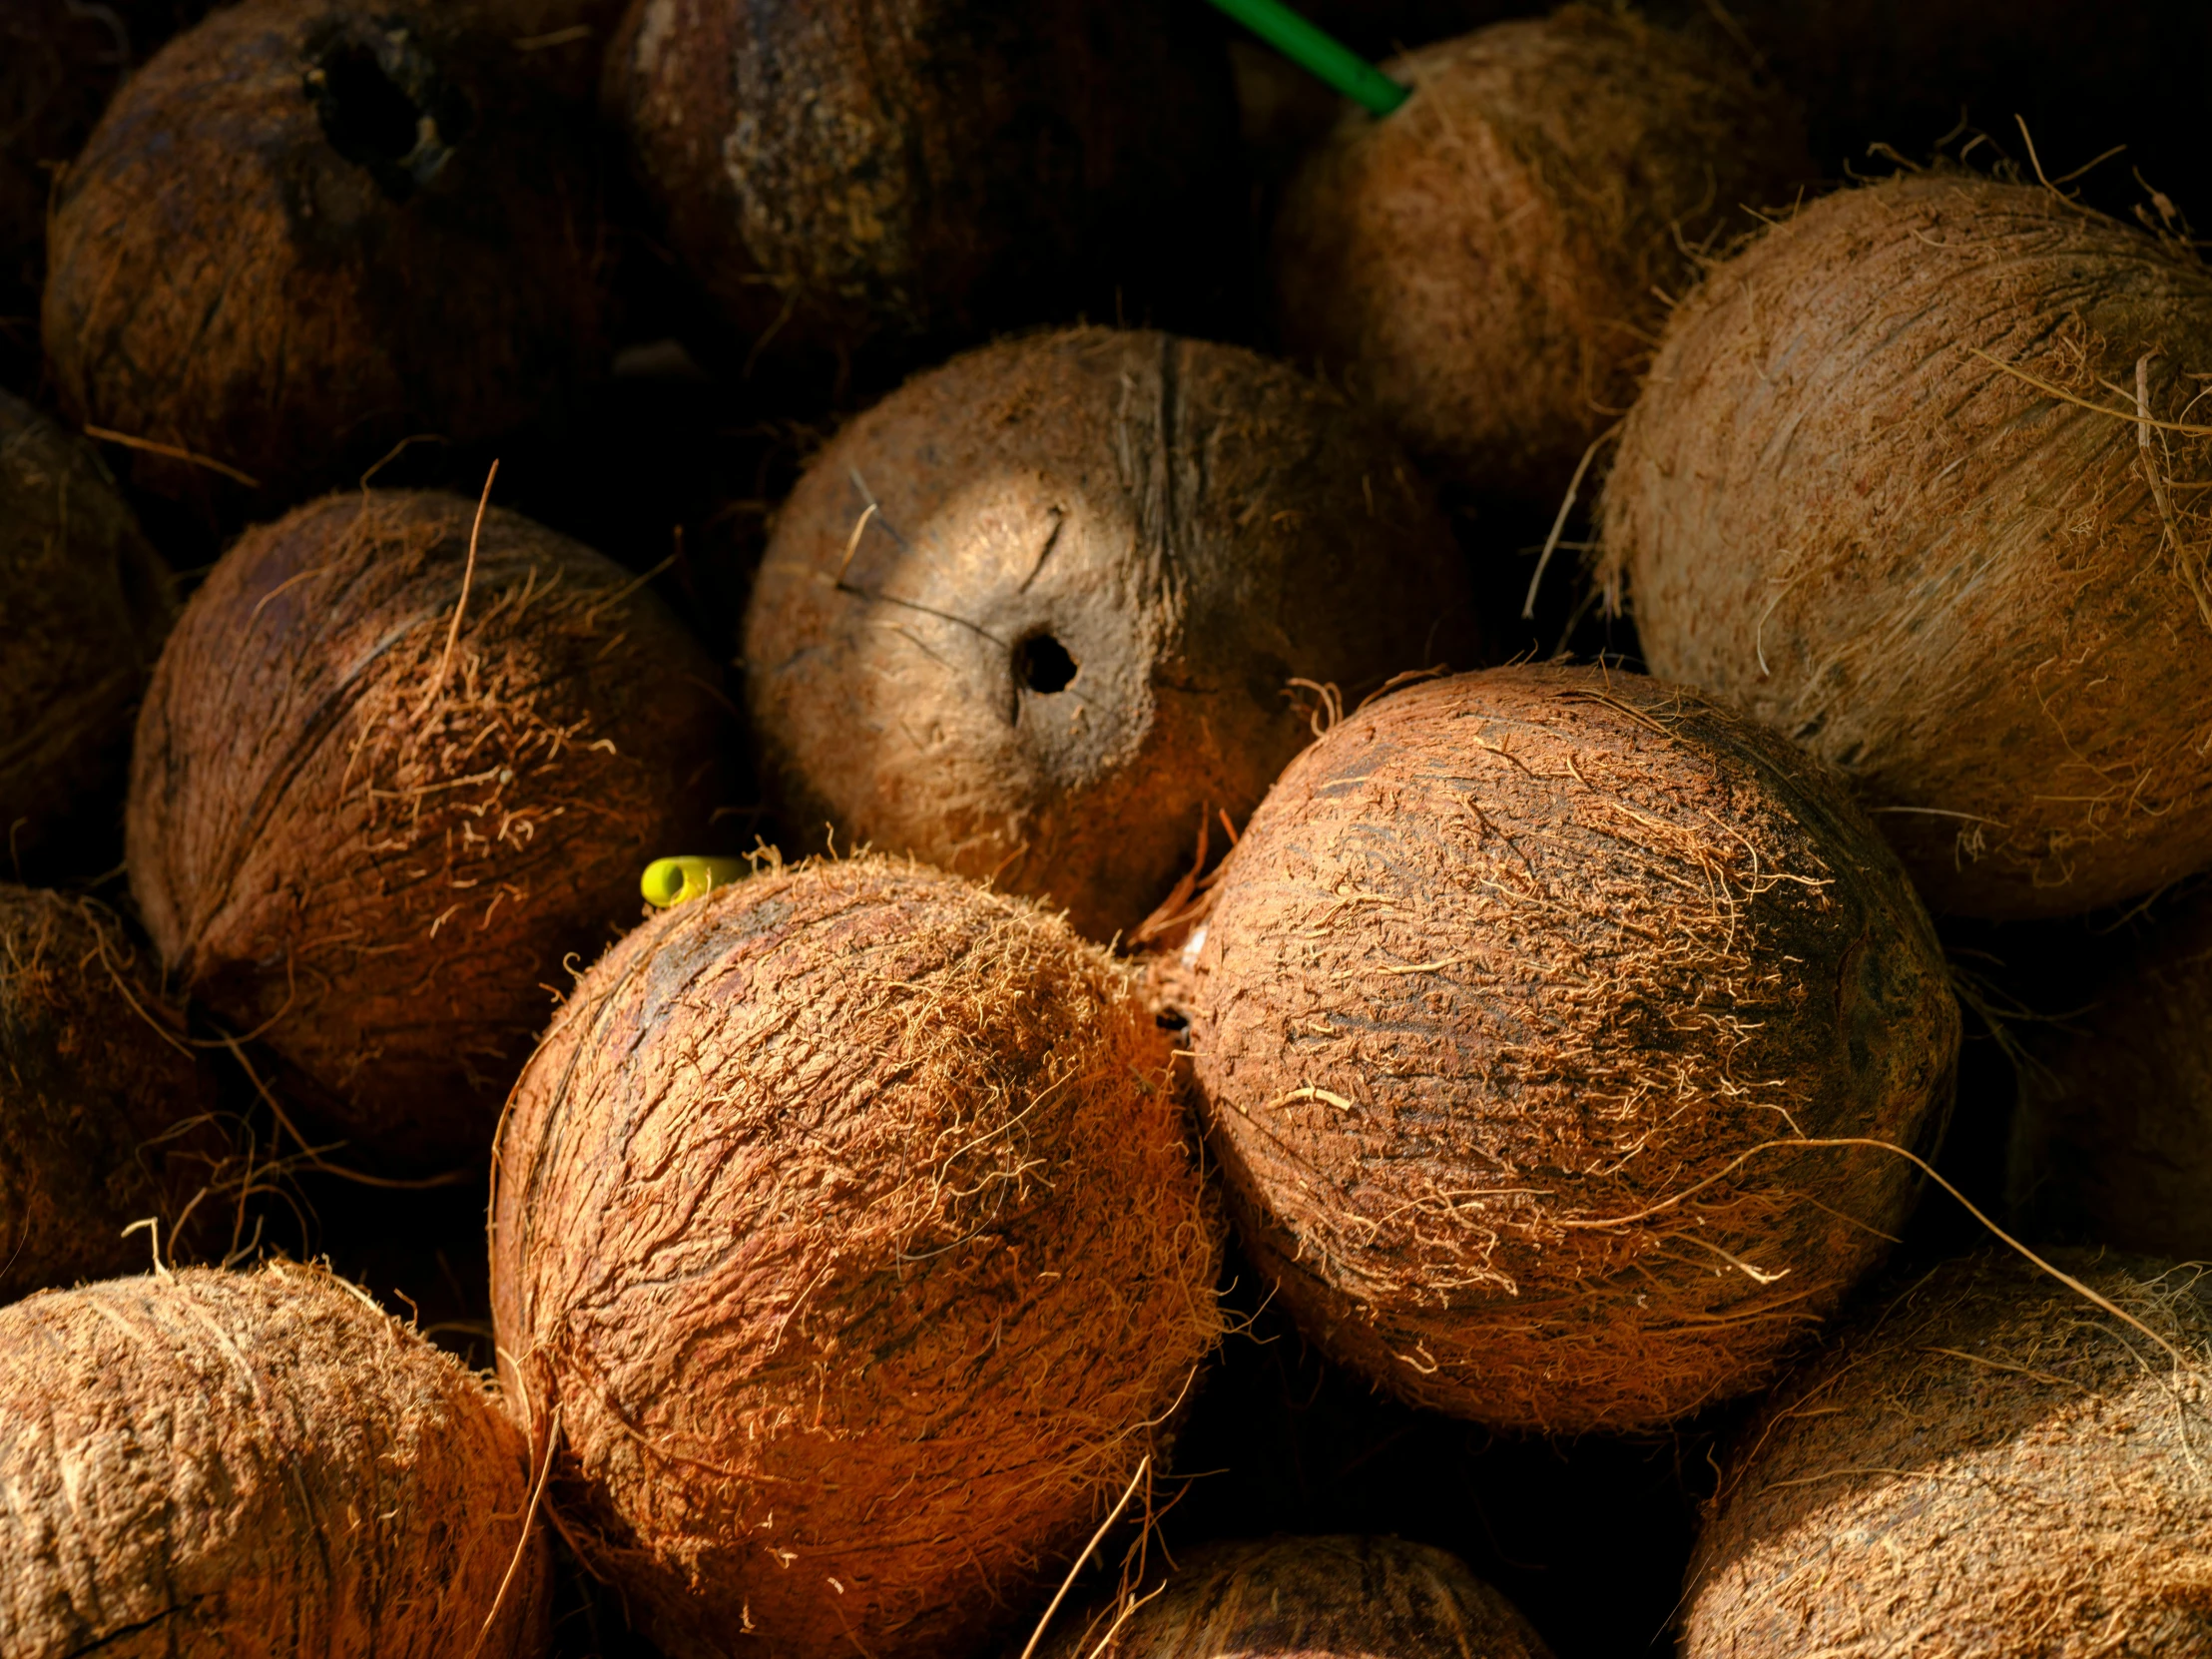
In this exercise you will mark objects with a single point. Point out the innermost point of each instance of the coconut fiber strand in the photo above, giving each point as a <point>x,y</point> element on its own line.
<point>372,838</point>
<point>1985,1462</point>
<point>1035,616</point>
<point>255,1466</point>
<point>845,1220</point>
<point>1919,482</point>
<point>1502,988</point>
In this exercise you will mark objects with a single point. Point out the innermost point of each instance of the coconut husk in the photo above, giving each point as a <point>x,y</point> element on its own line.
<point>844,1221</point>
<point>1514,996</point>
<point>1179,531</point>
<point>1306,1598</point>
<point>255,1465</point>
<point>857,193</point>
<point>383,788</point>
<point>240,256</point>
<point>84,605</point>
<point>1984,1462</point>
<point>107,1119</point>
<point>1490,265</point>
<point>1918,480</point>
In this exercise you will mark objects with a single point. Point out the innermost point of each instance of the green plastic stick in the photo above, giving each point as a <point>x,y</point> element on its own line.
<point>1318,53</point>
<point>669,881</point>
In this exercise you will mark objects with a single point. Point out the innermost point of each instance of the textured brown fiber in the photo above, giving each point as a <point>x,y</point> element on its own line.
<point>106,1117</point>
<point>1308,1598</point>
<point>376,855</point>
<point>84,604</point>
<point>1984,1464</point>
<point>846,1220</point>
<point>225,279</point>
<point>1191,525</point>
<point>1481,265</point>
<point>1845,506</point>
<point>255,1465</point>
<point>1499,989</point>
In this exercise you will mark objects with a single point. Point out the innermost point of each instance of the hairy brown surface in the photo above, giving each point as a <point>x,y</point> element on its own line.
<point>1487,264</point>
<point>1887,492</point>
<point>1983,1462</point>
<point>846,1219</point>
<point>376,855</point>
<point>1187,524</point>
<point>1502,986</point>
<point>106,1117</point>
<point>1308,1598</point>
<point>859,187</point>
<point>84,604</point>
<point>262,256</point>
<point>255,1466</point>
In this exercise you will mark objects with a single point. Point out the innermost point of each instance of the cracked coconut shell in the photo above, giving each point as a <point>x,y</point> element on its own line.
<point>1983,1462</point>
<point>857,190</point>
<point>1489,264</point>
<point>1308,1598</point>
<point>295,238</point>
<point>845,1220</point>
<point>107,1118</point>
<point>255,1465</point>
<point>1888,492</point>
<point>1513,999</point>
<point>1036,617</point>
<point>372,839</point>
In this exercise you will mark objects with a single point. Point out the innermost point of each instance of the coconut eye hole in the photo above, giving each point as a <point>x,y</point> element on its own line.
<point>384,107</point>
<point>1042,665</point>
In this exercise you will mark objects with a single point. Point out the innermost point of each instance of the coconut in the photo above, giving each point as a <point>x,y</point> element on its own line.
<point>240,256</point>
<point>255,1464</point>
<point>1919,481</point>
<point>1490,263</point>
<point>1037,615</point>
<point>845,1223</point>
<point>1308,1598</point>
<point>1985,1461</point>
<point>107,1119</point>
<point>856,191</point>
<point>384,786</point>
<point>84,604</point>
<point>1514,999</point>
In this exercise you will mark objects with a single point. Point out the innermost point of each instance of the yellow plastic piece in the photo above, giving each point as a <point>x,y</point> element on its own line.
<point>671,882</point>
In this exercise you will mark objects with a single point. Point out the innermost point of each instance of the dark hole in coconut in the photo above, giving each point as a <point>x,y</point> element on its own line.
<point>1042,664</point>
<point>384,107</point>
<point>363,113</point>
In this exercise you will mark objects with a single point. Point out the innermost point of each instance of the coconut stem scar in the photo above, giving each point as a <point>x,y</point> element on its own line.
<point>670,882</point>
<point>1319,54</point>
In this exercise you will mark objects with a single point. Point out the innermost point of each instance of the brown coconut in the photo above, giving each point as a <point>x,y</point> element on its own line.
<point>107,1118</point>
<point>295,238</point>
<point>845,1220</point>
<point>84,604</point>
<point>1983,1462</point>
<point>857,190</point>
<point>1918,480</point>
<point>1307,1598</point>
<point>1513,999</point>
<point>255,1466</point>
<point>377,797</point>
<point>1036,616</point>
<point>1489,264</point>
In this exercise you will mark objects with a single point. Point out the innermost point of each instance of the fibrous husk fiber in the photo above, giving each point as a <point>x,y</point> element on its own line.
<point>1503,984</point>
<point>256,1465</point>
<point>1489,264</point>
<point>1308,1598</point>
<point>106,1116</point>
<point>295,238</point>
<point>1892,491</point>
<point>846,1218</point>
<point>376,854</point>
<point>1983,1462</point>
<point>84,605</point>
<point>857,190</point>
<point>1188,526</point>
